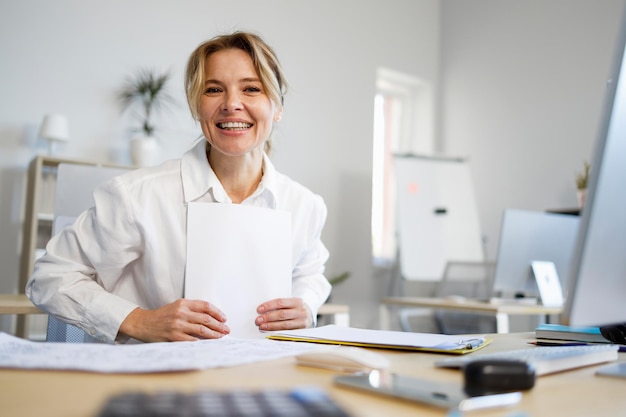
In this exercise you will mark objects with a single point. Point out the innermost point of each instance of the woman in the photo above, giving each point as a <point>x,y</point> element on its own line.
<point>118,271</point>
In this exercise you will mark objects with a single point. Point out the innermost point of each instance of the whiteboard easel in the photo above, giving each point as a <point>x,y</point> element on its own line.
<point>437,216</point>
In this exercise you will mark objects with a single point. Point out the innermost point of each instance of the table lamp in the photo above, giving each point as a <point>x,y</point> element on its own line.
<point>54,129</point>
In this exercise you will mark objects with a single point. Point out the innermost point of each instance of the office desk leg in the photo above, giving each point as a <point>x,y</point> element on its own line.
<point>502,323</point>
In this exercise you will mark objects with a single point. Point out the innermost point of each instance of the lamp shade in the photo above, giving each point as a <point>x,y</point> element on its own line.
<point>54,128</point>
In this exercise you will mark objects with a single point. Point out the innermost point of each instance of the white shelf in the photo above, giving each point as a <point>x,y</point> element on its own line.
<point>38,219</point>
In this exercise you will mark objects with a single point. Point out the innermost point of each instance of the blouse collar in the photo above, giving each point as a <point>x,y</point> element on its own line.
<point>199,179</point>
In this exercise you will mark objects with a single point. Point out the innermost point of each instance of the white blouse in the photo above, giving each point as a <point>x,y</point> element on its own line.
<point>129,250</point>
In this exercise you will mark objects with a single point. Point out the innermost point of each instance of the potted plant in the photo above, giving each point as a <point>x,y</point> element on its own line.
<point>582,179</point>
<point>146,93</point>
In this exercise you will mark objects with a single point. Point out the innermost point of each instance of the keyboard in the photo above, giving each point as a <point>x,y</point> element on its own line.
<point>545,359</point>
<point>298,402</point>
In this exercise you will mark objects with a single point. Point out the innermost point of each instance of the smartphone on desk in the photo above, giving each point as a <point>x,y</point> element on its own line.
<point>444,395</point>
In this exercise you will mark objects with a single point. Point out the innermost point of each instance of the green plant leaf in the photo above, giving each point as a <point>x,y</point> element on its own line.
<point>146,90</point>
<point>582,178</point>
<point>339,278</point>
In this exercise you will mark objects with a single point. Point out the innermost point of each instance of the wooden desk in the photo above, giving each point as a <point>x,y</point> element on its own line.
<point>501,310</point>
<point>17,304</point>
<point>81,394</point>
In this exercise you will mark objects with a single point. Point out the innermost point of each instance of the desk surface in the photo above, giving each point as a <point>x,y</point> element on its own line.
<point>74,394</point>
<point>20,304</point>
<point>472,305</point>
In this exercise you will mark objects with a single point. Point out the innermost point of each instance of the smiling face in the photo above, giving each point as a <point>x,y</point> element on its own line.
<point>235,113</point>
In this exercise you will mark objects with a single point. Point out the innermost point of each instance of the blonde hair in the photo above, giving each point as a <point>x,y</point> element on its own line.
<point>263,58</point>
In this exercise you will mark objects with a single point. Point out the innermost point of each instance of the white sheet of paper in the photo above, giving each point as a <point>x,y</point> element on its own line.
<point>145,357</point>
<point>237,258</point>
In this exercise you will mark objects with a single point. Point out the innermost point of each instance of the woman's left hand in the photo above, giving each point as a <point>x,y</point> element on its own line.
<point>283,314</point>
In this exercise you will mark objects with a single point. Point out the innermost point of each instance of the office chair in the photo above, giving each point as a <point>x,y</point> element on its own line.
<point>60,331</point>
<point>468,280</point>
<point>73,195</point>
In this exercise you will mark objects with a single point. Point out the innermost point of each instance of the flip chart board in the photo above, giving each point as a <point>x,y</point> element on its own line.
<point>437,216</point>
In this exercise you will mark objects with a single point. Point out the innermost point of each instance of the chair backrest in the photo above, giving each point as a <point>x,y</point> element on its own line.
<point>73,195</point>
<point>471,280</point>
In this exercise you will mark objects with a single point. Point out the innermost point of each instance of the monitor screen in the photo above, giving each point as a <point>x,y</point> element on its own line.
<point>527,236</point>
<point>597,284</point>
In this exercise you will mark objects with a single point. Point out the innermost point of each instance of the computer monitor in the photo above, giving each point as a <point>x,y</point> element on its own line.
<point>527,236</point>
<point>597,283</point>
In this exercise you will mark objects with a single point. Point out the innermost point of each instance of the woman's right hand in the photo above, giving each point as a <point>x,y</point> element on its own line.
<point>182,320</point>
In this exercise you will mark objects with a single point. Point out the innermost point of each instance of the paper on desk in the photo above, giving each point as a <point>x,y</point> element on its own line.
<point>143,358</point>
<point>333,334</point>
<point>238,257</point>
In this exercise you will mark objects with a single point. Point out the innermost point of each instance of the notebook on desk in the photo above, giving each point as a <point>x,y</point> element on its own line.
<point>569,333</point>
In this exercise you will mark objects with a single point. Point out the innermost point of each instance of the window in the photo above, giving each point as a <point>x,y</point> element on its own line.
<point>403,123</point>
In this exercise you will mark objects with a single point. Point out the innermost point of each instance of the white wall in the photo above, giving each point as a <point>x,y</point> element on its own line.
<point>70,56</point>
<point>523,87</point>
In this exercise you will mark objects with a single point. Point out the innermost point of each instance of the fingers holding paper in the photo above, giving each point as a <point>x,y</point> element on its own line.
<point>182,320</point>
<point>283,314</point>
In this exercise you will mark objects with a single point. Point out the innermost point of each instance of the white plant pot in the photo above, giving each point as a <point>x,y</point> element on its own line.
<point>145,151</point>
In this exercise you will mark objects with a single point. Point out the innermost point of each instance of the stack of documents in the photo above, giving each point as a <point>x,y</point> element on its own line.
<point>426,342</point>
